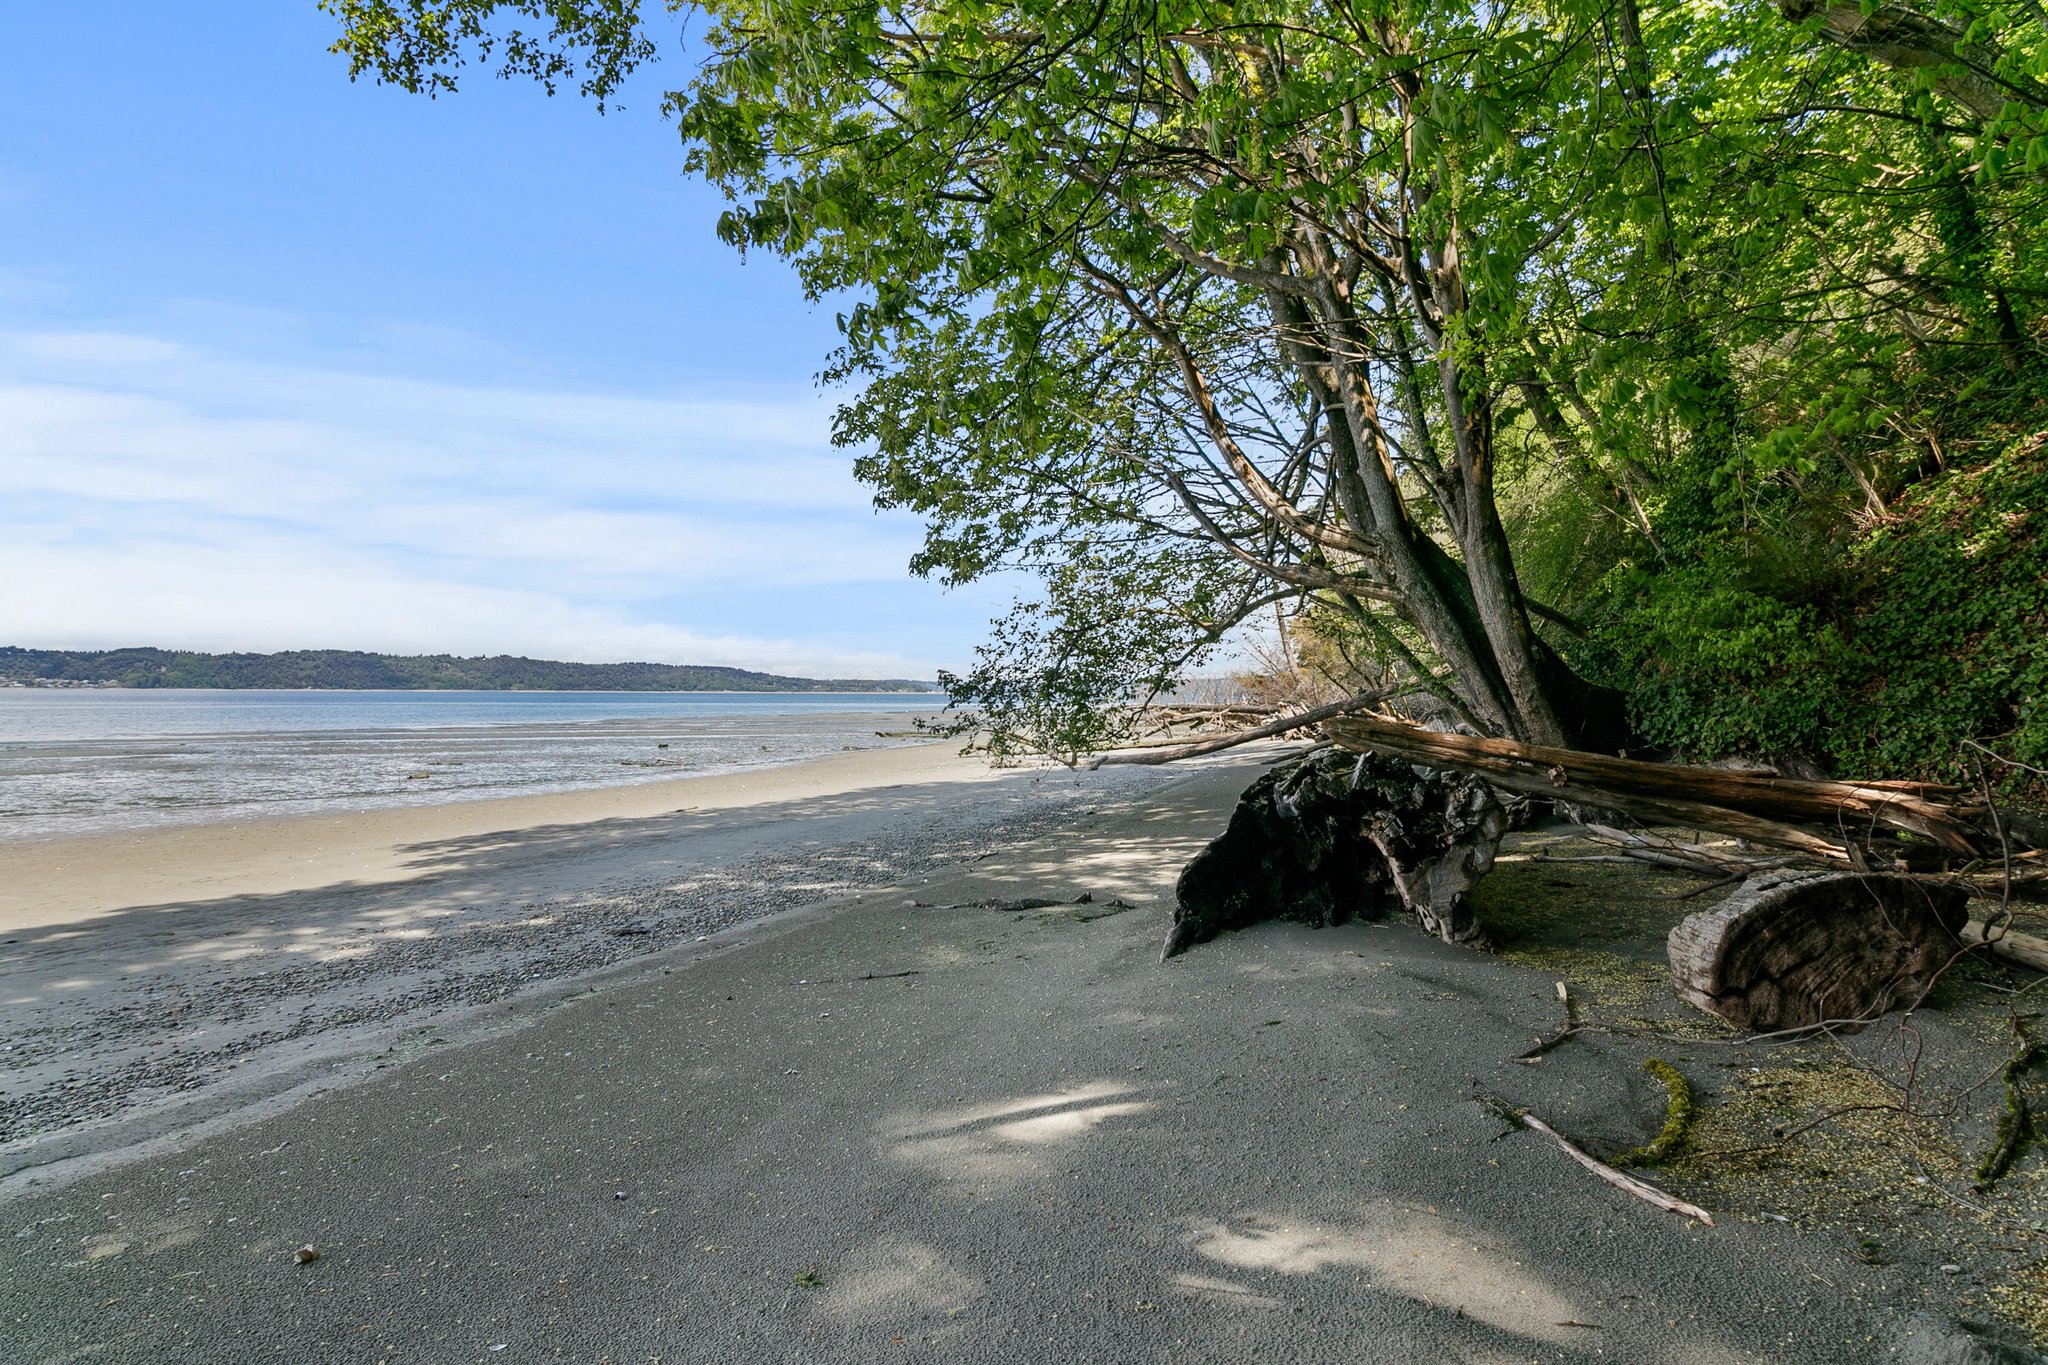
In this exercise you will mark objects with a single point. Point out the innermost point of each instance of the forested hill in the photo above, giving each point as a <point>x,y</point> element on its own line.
<point>339,668</point>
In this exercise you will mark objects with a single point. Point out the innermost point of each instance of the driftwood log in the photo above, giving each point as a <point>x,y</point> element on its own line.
<point>1791,950</point>
<point>2025,949</point>
<point>1858,823</point>
<point>1334,836</point>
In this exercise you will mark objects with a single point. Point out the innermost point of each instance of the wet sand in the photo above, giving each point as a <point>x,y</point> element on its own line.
<point>63,881</point>
<point>152,981</point>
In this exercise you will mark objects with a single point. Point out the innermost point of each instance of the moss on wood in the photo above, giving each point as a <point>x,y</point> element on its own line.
<point>2016,1128</point>
<point>1679,1111</point>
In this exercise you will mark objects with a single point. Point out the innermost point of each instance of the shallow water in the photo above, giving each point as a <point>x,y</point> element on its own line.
<point>85,761</point>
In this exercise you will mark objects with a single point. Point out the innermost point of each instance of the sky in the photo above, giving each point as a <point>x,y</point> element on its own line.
<point>289,362</point>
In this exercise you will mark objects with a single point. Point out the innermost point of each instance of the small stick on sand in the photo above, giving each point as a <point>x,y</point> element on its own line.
<point>1627,1184</point>
<point>1565,1030</point>
<point>1649,1194</point>
<point>1543,1045</point>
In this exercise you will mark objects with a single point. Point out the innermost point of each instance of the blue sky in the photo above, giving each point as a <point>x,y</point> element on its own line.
<point>288,362</point>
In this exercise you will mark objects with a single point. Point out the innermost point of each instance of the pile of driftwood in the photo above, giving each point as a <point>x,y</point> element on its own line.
<point>1862,905</point>
<point>1884,825</point>
<point>1849,899</point>
<point>1893,825</point>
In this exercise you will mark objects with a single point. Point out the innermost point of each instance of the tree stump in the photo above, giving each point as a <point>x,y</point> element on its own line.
<point>1337,836</point>
<point>1789,950</point>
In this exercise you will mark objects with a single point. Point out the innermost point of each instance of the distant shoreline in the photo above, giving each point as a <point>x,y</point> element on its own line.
<point>37,685</point>
<point>335,670</point>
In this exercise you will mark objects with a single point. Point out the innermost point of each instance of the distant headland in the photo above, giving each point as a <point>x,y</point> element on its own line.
<point>353,669</point>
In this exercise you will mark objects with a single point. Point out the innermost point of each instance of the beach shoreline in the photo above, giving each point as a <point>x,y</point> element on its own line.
<point>198,975</point>
<point>167,759</point>
<point>64,878</point>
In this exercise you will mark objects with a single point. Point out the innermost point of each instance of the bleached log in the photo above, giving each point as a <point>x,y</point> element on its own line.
<point>2025,949</point>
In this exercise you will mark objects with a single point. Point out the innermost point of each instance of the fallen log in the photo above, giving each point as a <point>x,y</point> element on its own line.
<point>1846,822</point>
<point>2025,949</point>
<point>1794,950</point>
<point>1702,859</point>
<point>1725,868</point>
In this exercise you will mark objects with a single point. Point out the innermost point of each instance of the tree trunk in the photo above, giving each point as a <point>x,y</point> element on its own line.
<point>1907,40</point>
<point>1850,822</point>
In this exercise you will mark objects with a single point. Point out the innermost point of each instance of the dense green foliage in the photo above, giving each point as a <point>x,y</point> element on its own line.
<point>1934,629</point>
<point>1690,347</point>
<point>336,668</point>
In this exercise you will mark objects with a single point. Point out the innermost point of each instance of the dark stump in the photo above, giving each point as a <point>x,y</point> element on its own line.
<point>1791,949</point>
<point>1336,836</point>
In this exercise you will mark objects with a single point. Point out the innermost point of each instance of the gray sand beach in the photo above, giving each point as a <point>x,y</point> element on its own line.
<point>886,1124</point>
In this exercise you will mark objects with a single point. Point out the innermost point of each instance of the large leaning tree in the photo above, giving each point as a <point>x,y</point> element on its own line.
<point>1200,308</point>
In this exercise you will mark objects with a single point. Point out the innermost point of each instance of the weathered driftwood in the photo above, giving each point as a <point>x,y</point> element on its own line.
<point>1834,820</point>
<point>2025,949</point>
<point>1854,823</point>
<point>1621,1180</point>
<point>1331,837</point>
<point>1790,950</point>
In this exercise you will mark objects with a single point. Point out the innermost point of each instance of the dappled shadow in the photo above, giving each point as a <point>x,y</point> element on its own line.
<point>1226,1294</point>
<point>1558,890</point>
<point>628,838</point>
<point>894,1278</point>
<point>1473,1286</point>
<point>995,1147</point>
<point>1263,1151</point>
<point>1422,1257</point>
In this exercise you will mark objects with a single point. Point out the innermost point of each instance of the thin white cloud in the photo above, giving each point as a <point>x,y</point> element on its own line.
<point>766,450</point>
<point>155,492</point>
<point>627,546</point>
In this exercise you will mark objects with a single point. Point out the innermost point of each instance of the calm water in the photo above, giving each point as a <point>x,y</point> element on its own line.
<point>80,761</point>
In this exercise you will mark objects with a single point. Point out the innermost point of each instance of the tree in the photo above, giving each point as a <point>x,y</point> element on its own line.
<point>1959,56</point>
<point>1199,307</point>
<point>1160,269</point>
